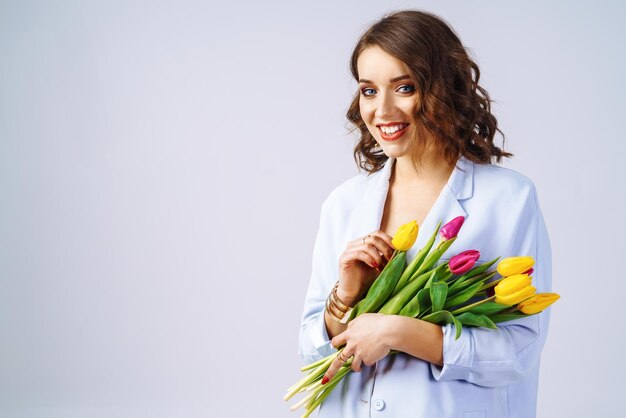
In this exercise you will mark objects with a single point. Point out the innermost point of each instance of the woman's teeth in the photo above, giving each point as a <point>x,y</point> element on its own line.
<point>388,130</point>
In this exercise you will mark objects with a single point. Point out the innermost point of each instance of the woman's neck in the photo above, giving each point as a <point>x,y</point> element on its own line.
<point>433,168</point>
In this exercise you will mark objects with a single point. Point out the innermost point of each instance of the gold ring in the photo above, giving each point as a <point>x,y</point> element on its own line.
<point>340,357</point>
<point>365,237</point>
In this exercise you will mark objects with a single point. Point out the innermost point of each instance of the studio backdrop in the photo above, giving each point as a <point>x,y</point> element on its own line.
<point>162,168</point>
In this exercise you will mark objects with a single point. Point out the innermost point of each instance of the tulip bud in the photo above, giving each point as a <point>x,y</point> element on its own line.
<point>405,237</point>
<point>463,262</point>
<point>514,265</point>
<point>451,229</point>
<point>538,303</point>
<point>516,297</point>
<point>514,289</point>
<point>512,284</point>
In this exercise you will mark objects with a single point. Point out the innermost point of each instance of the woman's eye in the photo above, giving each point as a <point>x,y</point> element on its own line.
<point>368,91</point>
<point>407,88</point>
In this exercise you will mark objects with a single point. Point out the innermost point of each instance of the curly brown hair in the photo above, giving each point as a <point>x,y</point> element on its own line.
<point>454,110</point>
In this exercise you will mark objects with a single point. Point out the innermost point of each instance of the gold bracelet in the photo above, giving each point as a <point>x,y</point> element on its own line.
<point>336,309</point>
<point>337,316</point>
<point>342,306</point>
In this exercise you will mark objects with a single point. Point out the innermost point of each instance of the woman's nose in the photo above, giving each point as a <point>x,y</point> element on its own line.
<point>386,105</point>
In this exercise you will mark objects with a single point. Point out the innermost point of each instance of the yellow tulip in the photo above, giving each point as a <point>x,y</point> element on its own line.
<point>512,284</point>
<point>516,297</point>
<point>514,265</point>
<point>538,303</point>
<point>405,237</point>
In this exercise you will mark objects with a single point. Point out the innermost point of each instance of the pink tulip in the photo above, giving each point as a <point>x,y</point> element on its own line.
<point>463,262</point>
<point>451,229</point>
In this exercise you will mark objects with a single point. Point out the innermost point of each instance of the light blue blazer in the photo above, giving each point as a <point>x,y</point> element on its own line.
<point>486,373</point>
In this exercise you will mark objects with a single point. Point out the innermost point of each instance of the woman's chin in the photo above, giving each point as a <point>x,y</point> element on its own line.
<point>394,153</point>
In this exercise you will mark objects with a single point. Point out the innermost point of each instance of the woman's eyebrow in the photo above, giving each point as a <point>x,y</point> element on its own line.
<point>393,80</point>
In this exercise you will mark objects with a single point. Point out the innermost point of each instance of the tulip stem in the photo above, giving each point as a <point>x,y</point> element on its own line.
<point>331,385</point>
<point>473,305</point>
<point>304,401</point>
<point>492,284</point>
<point>310,378</point>
<point>317,363</point>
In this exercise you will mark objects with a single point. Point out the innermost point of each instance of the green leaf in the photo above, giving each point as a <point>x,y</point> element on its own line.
<point>411,270</point>
<point>474,320</point>
<point>497,318</point>
<point>438,294</point>
<point>463,284</point>
<point>396,303</point>
<point>481,268</point>
<point>464,295</point>
<point>438,274</point>
<point>423,297</point>
<point>481,294</point>
<point>488,308</point>
<point>443,318</point>
<point>483,278</point>
<point>412,308</point>
<point>492,283</point>
<point>435,255</point>
<point>355,311</point>
<point>458,327</point>
<point>440,318</point>
<point>384,284</point>
<point>455,284</point>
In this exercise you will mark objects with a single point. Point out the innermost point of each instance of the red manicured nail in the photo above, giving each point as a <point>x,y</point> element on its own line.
<point>375,264</point>
<point>325,380</point>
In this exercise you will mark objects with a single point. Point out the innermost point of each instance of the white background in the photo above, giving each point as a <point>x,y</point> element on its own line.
<point>162,166</point>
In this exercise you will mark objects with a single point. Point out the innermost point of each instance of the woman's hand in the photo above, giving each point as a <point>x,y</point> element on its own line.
<point>368,339</point>
<point>359,264</point>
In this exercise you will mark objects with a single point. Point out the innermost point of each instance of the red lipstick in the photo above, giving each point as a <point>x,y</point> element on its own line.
<point>394,136</point>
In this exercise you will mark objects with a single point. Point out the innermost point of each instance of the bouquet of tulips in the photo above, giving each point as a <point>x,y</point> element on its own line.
<point>455,292</point>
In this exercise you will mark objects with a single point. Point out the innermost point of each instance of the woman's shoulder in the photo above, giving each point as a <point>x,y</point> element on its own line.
<point>501,179</point>
<point>351,191</point>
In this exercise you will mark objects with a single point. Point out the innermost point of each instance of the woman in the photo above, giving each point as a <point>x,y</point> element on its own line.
<point>426,143</point>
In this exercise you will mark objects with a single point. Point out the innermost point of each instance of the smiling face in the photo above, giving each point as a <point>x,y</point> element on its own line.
<point>388,99</point>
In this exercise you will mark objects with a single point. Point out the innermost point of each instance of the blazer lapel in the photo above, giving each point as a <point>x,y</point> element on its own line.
<point>448,204</point>
<point>367,216</point>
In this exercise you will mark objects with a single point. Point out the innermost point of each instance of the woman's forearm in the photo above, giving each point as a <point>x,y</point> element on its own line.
<point>417,338</point>
<point>333,327</point>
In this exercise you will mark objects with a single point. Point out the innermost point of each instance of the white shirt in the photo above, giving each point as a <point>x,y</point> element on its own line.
<point>486,373</point>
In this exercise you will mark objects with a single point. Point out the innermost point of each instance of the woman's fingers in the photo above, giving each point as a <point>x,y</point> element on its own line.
<point>377,239</point>
<point>381,235</point>
<point>386,238</point>
<point>340,339</point>
<point>355,277</point>
<point>340,360</point>
<point>382,243</point>
<point>375,252</point>
<point>351,257</point>
<point>356,363</point>
<point>370,256</point>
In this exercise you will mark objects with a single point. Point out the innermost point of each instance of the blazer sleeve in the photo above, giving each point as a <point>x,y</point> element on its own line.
<point>511,352</point>
<point>313,340</point>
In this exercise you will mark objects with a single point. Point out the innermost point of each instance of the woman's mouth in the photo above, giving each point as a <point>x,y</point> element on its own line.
<point>391,132</point>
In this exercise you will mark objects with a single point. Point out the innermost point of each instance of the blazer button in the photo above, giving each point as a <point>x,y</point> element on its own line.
<point>379,404</point>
